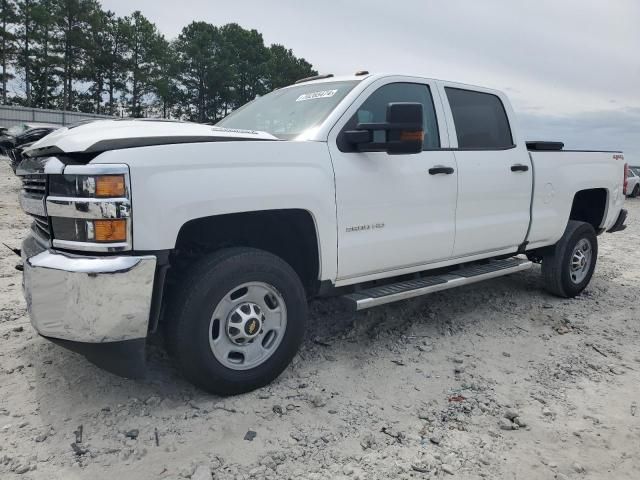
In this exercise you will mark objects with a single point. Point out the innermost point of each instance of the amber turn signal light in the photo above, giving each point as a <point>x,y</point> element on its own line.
<point>110,230</point>
<point>110,186</point>
<point>416,136</point>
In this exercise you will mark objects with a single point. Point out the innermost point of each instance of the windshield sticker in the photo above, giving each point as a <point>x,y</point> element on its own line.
<point>314,95</point>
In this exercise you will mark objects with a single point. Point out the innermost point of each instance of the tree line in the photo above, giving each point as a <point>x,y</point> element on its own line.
<point>73,55</point>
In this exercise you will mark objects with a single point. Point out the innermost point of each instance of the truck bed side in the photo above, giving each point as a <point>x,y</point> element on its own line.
<point>559,176</point>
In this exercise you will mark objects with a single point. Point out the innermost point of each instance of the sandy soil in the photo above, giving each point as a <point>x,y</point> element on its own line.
<point>418,389</point>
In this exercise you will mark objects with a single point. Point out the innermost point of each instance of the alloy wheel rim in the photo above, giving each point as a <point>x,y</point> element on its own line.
<point>247,326</point>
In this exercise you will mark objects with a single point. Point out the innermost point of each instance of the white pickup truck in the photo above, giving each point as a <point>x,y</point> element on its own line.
<point>376,188</point>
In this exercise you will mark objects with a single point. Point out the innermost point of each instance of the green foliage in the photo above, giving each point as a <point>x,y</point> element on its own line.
<point>8,45</point>
<point>72,54</point>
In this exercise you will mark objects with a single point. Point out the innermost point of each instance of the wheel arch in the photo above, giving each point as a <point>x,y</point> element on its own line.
<point>590,206</point>
<point>291,234</point>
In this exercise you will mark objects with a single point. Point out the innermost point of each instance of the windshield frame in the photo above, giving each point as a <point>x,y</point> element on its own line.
<point>301,90</point>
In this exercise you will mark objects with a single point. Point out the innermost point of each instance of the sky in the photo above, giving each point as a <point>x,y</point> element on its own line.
<point>571,67</point>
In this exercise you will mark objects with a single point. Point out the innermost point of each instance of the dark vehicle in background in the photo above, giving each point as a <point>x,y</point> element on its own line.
<point>17,138</point>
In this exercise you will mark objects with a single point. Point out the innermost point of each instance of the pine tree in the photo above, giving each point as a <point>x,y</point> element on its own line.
<point>72,22</point>
<point>115,63</point>
<point>198,47</point>
<point>44,81</point>
<point>71,54</point>
<point>8,18</point>
<point>283,68</point>
<point>165,85</point>
<point>25,33</point>
<point>143,42</point>
<point>247,56</point>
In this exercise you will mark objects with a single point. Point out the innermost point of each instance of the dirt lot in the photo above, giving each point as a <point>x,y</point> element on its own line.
<point>420,389</point>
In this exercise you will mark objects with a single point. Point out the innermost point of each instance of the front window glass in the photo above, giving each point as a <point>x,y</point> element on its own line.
<point>374,110</point>
<point>288,112</point>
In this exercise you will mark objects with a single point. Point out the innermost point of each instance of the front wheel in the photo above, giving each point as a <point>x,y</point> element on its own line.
<point>567,269</point>
<point>237,321</point>
<point>636,191</point>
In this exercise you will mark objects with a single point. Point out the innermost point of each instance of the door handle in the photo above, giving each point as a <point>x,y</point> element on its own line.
<point>519,168</point>
<point>440,169</point>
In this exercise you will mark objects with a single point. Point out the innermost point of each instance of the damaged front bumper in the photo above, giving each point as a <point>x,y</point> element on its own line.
<point>96,306</point>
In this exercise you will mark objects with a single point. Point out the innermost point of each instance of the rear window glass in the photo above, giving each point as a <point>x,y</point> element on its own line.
<point>480,120</point>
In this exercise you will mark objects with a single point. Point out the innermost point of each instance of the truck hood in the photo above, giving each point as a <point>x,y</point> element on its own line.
<point>103,135</point>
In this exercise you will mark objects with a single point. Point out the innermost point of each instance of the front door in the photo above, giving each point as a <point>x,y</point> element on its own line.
<point>394,211</point>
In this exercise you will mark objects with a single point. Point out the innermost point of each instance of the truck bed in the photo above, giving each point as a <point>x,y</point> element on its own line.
<point>559,173</point>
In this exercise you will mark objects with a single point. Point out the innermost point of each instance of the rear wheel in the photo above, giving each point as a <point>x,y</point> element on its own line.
<point>636,191</point>
<point>237,320</point>
<point>567,269</point>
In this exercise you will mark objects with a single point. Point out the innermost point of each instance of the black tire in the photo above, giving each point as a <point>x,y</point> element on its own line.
<point>191,308</point>
<point>636,191</point>
<point>556,265</point>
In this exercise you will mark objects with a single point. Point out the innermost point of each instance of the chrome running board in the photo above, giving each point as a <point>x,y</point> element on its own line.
<point>379,295</point>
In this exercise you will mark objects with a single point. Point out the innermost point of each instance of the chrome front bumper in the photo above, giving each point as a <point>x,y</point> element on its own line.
<point>87,299</point>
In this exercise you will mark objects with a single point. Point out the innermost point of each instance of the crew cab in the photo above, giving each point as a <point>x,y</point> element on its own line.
<point>374,188</point>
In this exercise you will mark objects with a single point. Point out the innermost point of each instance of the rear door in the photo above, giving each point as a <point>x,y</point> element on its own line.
<point>395,212</point>
<point>494,173</point>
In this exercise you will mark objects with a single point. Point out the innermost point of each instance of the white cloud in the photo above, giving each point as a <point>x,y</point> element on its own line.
<point>564,64</point>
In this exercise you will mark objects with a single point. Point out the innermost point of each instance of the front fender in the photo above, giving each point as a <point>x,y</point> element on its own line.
<point>173,184</point>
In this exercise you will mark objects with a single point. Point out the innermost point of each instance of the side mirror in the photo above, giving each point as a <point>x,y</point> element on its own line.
<point>404,131</point>
<point>406,128</point>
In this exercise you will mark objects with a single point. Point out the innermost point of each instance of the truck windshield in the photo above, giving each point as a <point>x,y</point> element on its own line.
<point>288,112</point>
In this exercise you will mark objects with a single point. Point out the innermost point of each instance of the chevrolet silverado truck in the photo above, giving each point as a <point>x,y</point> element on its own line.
<point>374,188</point>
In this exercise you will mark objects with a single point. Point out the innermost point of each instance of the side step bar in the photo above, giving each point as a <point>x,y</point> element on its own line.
<point>372,297</point>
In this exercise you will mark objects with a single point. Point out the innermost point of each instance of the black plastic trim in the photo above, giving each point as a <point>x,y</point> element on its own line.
<point>125,358</point>
<point>157,296</point>
<point>619,225</point>
<point>595,151</point>
<point>315,77</point>
<point>325,288</point>
<point>124,143</point>
<point>522,248</point>
<point>478,149</point>
<point>541,145</point>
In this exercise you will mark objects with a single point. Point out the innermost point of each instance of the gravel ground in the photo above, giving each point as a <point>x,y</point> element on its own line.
<point>496,380</point>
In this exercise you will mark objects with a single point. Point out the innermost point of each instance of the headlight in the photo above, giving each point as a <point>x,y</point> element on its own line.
<point>88,186</point>
<point>90,208</point>
<point>101,231</point>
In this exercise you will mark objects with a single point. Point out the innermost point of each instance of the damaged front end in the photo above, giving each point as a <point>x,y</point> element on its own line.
<point>85,290</point>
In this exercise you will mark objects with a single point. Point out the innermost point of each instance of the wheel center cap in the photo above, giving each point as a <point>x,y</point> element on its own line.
<point>252,327</point>
<point>244,323</point>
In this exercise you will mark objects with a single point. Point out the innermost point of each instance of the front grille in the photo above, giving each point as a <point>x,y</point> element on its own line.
<point>35,187</point>
<point>41,226</point>
<point>35,184</point>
